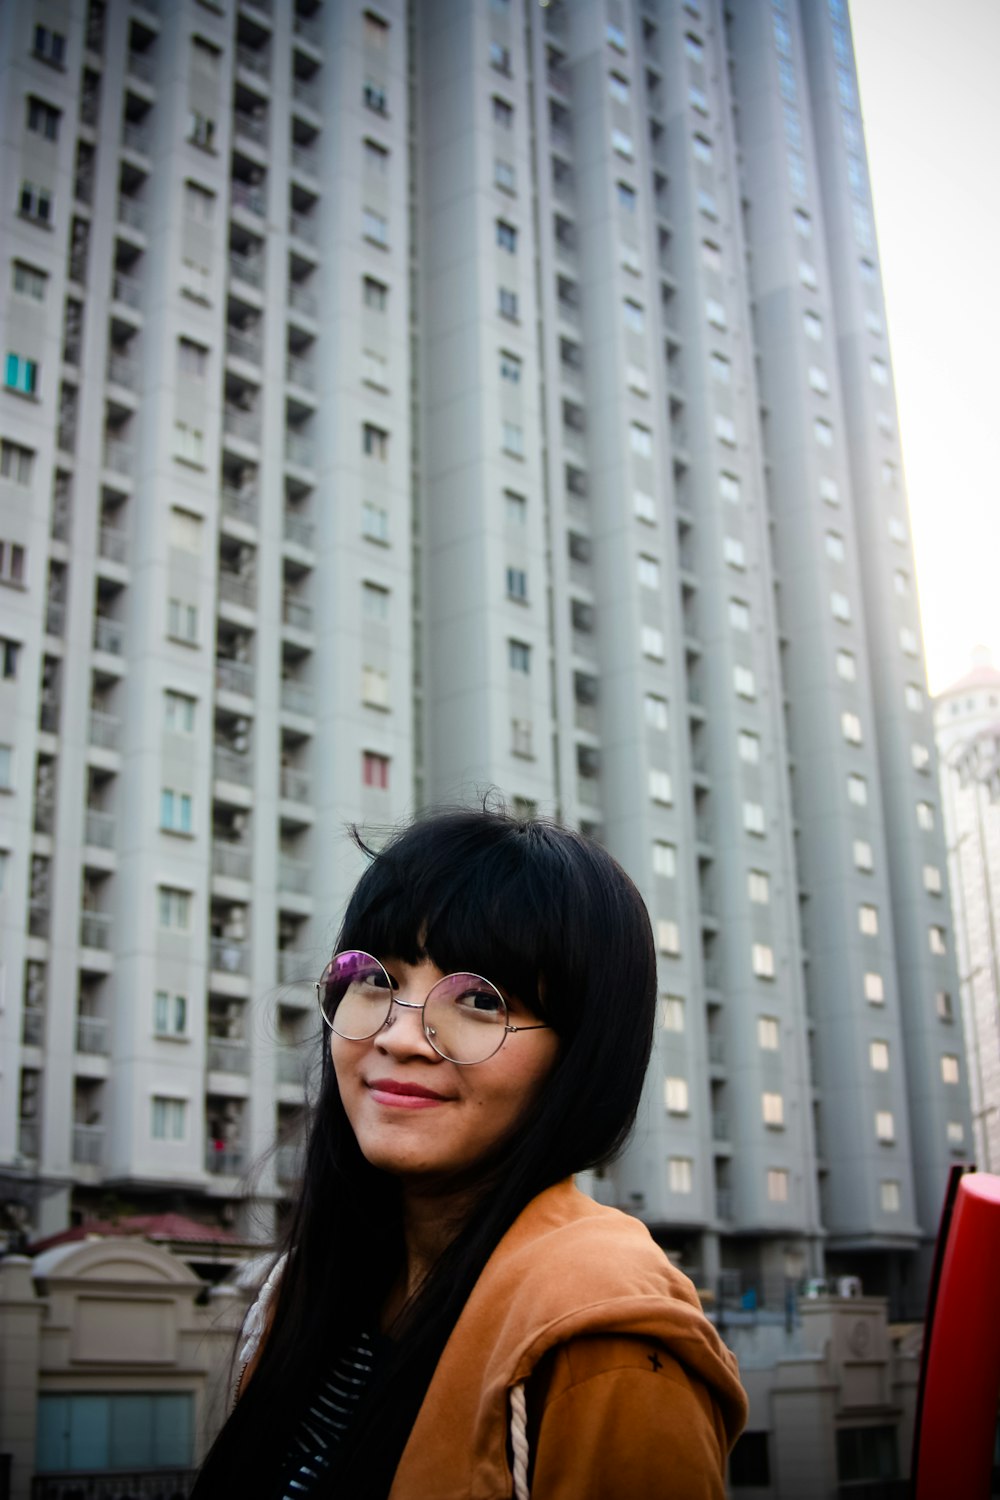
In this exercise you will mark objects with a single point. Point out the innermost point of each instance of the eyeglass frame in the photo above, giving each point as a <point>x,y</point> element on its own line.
<point>421,1005</point>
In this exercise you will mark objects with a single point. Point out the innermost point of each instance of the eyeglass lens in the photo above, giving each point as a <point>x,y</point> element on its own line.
<point>464,1016</point>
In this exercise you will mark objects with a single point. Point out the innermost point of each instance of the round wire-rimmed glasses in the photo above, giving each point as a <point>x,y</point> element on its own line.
<point>465,1017</point>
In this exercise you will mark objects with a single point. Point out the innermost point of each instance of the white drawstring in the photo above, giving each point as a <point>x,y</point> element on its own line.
<point>519,1440</point>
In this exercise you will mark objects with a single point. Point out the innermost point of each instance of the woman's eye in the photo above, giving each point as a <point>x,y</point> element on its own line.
<point>375,981</point>
<point>482,1001</point>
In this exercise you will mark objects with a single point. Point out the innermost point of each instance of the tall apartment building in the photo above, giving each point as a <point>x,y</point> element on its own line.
<point>407,399</point>
<point>967,727</point>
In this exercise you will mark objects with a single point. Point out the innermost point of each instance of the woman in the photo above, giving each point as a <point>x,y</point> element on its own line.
<point>451,1317</point>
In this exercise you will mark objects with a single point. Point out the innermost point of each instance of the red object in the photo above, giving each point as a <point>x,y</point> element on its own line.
<point>956,1422</point>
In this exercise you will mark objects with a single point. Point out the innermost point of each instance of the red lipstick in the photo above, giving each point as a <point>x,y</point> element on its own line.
<point>403,1095</point>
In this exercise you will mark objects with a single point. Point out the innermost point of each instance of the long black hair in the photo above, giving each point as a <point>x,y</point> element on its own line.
<point>552,919</point>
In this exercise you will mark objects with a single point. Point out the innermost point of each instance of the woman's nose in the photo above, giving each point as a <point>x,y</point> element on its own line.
<point>403,1029</point>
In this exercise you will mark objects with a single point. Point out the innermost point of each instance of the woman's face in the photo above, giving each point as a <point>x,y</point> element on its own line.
<point>423,1118</point>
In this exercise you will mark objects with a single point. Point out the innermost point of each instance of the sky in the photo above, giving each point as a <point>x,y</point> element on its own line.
<point>929,79</point>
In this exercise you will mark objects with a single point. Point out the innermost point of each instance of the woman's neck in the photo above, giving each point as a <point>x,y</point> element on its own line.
<point>431,1220</point>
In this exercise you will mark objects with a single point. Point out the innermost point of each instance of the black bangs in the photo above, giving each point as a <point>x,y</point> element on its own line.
<point>470,894</point>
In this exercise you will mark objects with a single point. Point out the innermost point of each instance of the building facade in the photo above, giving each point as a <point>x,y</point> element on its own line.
<point>967,727</point>
<point>407,400</point>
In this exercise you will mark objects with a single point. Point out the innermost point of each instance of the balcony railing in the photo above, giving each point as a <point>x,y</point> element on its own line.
<point>223,1161</point>
<point>298,530</point>
<point>133,213</point>
<point>289,1163</point>
<point>248,268</point>
<point>109,635</point>
<point>45,813</point>
<point>300,372</point>
<point>39,916</point>
<point>136,137</point>
<point>234,676</point>
<point>253,61</point>
<point>716,1048</point>
<point>241,504</point>
<point>228,1055</point>
<point>724,1203</point>
<point>302,298</point>
<point>93,1035</point>
<point>232,861</point>
<point>293,876</point>
<point>95,929</point>
<point>123,370</point>
<point>139,1484</point>
<point>235,588</point>
<point>250,127</point>
<point>112,544</point>
<point>230,957</point>
<point>305,159</point>
<point>293,967</point>
<point>720,1126</point>
<point>304,227</point>
<point>306,92</point>
<point>246,346</point>
<point>297,697</point>
<point>300,450</point>
<point>126,289</point>
<point>249,197</point>
<point>295,785</point>
<point>140,65</point>
<point>293,1065</point>
<point>88,1144</point>
<point>241,424</point>
<point>48,719</point>
<point>99,828</point>
<point>55,617</point>
<point>309,27</point>
<point>105,730</point>
<point>297,614</point>
<point>27,1137</point>
<point>119,457</point>
<point>32,1028</point>
<point>230,765</point>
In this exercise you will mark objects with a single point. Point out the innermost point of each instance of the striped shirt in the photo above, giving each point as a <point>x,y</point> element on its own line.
<point>330,1415</point>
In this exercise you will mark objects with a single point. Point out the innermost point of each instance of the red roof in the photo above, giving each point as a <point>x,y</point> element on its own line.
<point>169,1227</point>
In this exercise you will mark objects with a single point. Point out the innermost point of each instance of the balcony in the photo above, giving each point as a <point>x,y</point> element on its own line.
<point>295,785</point>
<point>724,1203</point>
<point>27,1138</point>
<point>140,65</point>
<point>298,530</point>
<point>306,159</point>
<point>716,1048</point>
<point>256,62</point>
<point>144,1484</point>
<point>289,1163</point>
<point>244,425</point>
<point>236,588</point>
<point>127,290</point>
<point>253,199</point>
<point>88,1144</point>
<point>232,861</point>
<point>55,617</point>
<point>133,213</point>
<point>233,676</point>
<point>293,1065</point>
<point>297,697</point>
<point>294,967</point>
<point>32,1028</point>
<point>228,1055</point>
<point>720,1126</point>
<point>230,957</point>
<point>300,450</point>
<point>137,136</point>
<point>250,127</point>
<point>300,372</point>
<point>241,504</point>
<point>105,730</point>
<point>93,1035</point>
<point>222,1160</point>
<point>303,299</point>
<point>112,544</point>
<point>229,765</point>
<point>307,92</point>
<point>242,345</point>
<point>293,876</point>
<point>119,457</point>
<point>308,27</point>
<point>123,370</point>
<point>99,828</point>
<point>304,227</point>
<point>39,917</point>
<point>95,929</point>
<point>296,614</point>
<point>109,635</point>
<point>248,268</point>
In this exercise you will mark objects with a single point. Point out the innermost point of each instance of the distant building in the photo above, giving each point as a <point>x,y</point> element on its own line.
<point>967,728</point>
<point>406,399</point>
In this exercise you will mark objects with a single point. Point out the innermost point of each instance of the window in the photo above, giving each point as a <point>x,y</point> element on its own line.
<point>374,522</point>
<point>626,197</point>
<point>675,1095</point>
<point>634,316</point>
<point>503,175</point>
<point>189,444</point>
<point>773,1110</point>
<point>874,987</point>
<point>175,811</point>
<point>668,937</point>
<point>375,603</point>
<point>857,790</point>
<point>615,36</point>
<point>879,371</point>
<point>715,313</point>
<point>29,282</point>
<point>702,148</point>
<point>725,430</point>
<point>374,227</point>
<point>823,432</point>
<point>185,530</point>
<point>182,621</point>
<point>199,202</point>
<point>618,88</point>
<point>721,368</point>
<point>864,859</point>
<point>897,529</point>
<point>169,1014</point>
<point>43,119</point>
<point>506,236</point>
<point>920,755</point>
<point>937,940</point>
<point>652,642</point>
<point>374,687</point>
<point>734,553</point>
<point>680,1174</point>
<point>512,438</point>
<point>517,584</point>
<point>507,304</point>
<point>661,787</point>
<point>739,614</point>
<point>645,507</point>
<point>178,712</point>
<point>503,113</point>
<point>914,698</point>
<point>664,859</point>
<point>768,1034</point>
<point>374,97</point>
<point>649,572</point>
<point>641,440</point>
<point>803,223</point>
<point>943,1008</point>
<point>762,960</point>
<point>908,643</point>
<point>520,737</point>
<point>515,508</point>
<point>759,887</point>
<point>777,1184</point>
<point>375,770</point>
<point>169,1118</point>
<point>925,816</point>
<point>374,294</point>
<point>890,1197</point>
<point>753,819</point>
<point>376,158</point>
<point>901,583</point>
<point>9,653</point>
<point>813,324</point>
<point>500,58</point>
<point>847,667</point>
<point>693,48</point>
<point>807,275</point>
<point>12,557</point>
<point>21,374</point>
<point>748,745</point>
<point>868,920</point>
<point>49,46</point>
<point>375,441</point>
<point>35,203</point>
<point>655,709</point>
<point>672,1013</point>
<point>949,1067</point>
<point>711,256</point>
<point>698,99</point>
<point>834,545</point>
<point>850,726</point>
<point>518,656</point>
<point>744,683</point>
<point>729,488</point>
<point>829,491</point>
<point>375,370</point>
<point>16,462</point>
<point>174,908</point>
<point>510,367</point>
<point>956,1133</point>
<point>201,130</point>
<point>885,1126</point>
<point>878,1056</point>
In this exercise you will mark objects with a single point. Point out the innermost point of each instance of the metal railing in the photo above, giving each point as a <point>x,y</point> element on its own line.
<point>293,1065</point>
<point>240,504</point>
<point>250,198</point>
<point>720,1126</point>
<point>254,61</point>
<point>234,588</point>
<point>95,929</point>
<point>223,1161</point>
<point>88,1144</point>
<point>295,785</point>
<point>27,1137</point>
<point>297,697</point>
<point>246,346</point>
<point>140,65</point>
<point>105,730</point>
<point>716,1048</point>
<point>93,1035</point>
<point>232,861</point>
<point>119,457</point>
<point>234,676</point>
<point>306,92</point>
<point>296,614</point>
<point>133,213</point>
<point>293,967</point>
<point>138,1484</point>
<point>230,765</point>
<point>126,289</point>
<point>302,298</point>
<point>304,227</point>
<point>39,916</point>
<point>32,1028</point>
<point>55,617</point>
<point>228,1055</point>
<point>309,27</point>
<point>298,530</point>
<point>48,719</point>
<point>230,957</point>
<point>306,159</point>
<point>241,424</point>
<point>251,127</point>
<point>99,828</point>
<point>112,544</point>
<point>293,876</point>
<point>109,635</point>
<point>300,450</point>
<point>300,372</point>
<point>248,268</point>
<point>136,137</point>
<point>123,370</point>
